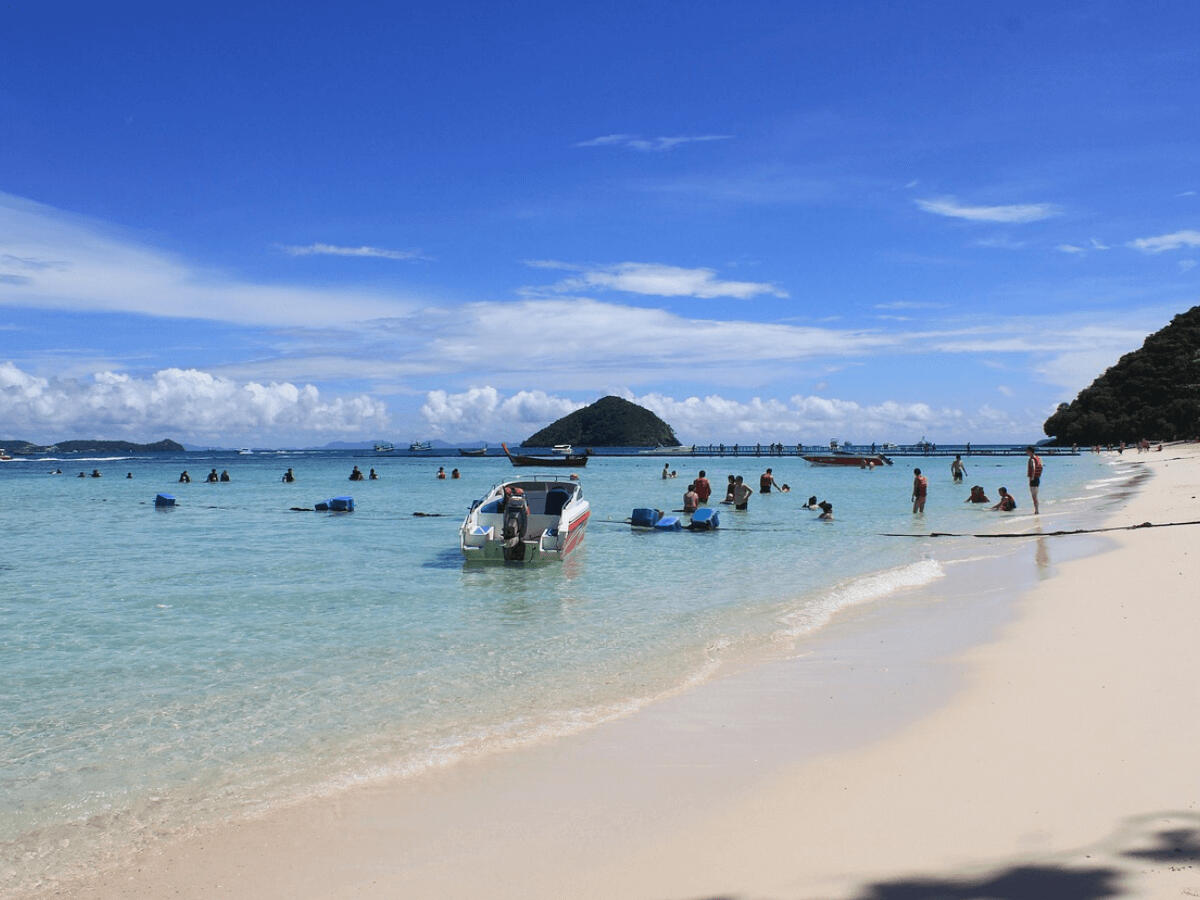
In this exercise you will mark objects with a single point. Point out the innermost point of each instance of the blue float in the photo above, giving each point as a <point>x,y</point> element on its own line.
<point>705,519</point>
<point>645,518</point>
<point>668,523</point>
<point>336,504</point>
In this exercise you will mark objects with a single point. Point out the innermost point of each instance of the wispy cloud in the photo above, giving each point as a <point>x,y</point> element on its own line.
<point>654,279</point>
<point>1013,214</point>
<point>66,261</point>
<point>650,145</point>
<point>1070,248</point>
<point>334,250</point>
<point>1174,241</point>
<point>1186,265</point>
<point>910,304</point>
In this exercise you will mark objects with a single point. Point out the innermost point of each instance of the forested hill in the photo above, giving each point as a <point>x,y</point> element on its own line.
<point>1153,392</point>
<point>609,422</point>
<point>24,447</point>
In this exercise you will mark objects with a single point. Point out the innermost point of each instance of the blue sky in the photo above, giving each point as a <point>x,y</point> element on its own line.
<point>295,223</point>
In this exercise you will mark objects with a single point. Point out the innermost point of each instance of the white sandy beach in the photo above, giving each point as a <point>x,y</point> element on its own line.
<point>1055,759</point>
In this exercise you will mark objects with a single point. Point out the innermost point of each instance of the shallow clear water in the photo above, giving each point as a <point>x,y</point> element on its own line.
<point>162,669</point>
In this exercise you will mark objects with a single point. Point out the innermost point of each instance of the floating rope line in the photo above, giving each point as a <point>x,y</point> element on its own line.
<point>1038,534</point>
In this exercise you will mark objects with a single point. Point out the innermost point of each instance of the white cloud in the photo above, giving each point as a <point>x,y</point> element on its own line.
<point>63,261</point>
<point>713,418</point>
<point>910,304</point>
<point>1005,390</point>
<point>1070,248</point>
<point>482,411</point>
<point>655,279</point>
<point>1097,244</point>
<point>1173,241</point>
<point>181,403</point>
<point>656,145</point>
<point>1186,265</point>
<point>334,250</point>
<point>1017,213</point>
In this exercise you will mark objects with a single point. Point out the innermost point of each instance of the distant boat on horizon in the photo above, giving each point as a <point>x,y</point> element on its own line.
<point>384,447</point>
<point>418,446</point>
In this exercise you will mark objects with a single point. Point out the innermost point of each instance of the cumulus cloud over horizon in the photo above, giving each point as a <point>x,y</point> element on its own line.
<point>183,403</point>
<point>485,412</point>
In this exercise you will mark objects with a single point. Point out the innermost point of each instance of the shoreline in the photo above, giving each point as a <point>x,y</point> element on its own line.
<point>553,820</point>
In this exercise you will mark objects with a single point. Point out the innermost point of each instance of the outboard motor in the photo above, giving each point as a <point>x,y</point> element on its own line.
<point>516,519</point>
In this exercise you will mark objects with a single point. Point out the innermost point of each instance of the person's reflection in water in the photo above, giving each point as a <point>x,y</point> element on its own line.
<point>1041,556</point>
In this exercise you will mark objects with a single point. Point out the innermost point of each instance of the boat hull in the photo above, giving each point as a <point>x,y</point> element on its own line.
<point>838,459</point>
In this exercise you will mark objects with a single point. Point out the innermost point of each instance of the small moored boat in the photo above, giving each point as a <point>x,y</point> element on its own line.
<point>559,462</point>
<point>848,459</point>
<point>418,446</point>
<point>480,451</point>
<point>384,447</point>
<point>539,520</point>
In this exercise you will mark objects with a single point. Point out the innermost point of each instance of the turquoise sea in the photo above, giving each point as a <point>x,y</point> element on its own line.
<point>163,670</point>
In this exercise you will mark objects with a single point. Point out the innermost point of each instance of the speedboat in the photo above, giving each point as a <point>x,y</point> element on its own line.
<point>562,449</point>
<point>532,521</point>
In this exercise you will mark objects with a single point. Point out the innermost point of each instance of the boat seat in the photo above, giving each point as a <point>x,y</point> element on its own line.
<point>555,501</point>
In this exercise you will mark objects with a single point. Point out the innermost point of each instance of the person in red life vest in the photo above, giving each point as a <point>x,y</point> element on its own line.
<point>703,488</point>
<point>1007,503</point>
<point>441,472</point>
<point>977,495</point>
<point>1033,470</point>
<point>766,481</point>
<point>919,490</point>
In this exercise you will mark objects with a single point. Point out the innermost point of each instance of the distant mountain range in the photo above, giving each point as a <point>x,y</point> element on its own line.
<point>1150,393</point>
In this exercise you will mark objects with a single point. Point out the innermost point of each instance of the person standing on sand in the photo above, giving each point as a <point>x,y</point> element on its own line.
<point>957,469</point>
<point>1033,469</point>
<point>919,490</point>
<point>703,488</point>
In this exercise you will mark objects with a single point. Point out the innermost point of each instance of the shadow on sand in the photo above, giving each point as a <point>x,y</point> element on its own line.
<point>1135,841</point>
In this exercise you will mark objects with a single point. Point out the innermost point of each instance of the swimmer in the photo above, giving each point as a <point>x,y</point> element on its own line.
<point>356,474</point>
<point>977,495</point>
<point>95,473</point>
<point>373,476</point>
<point>957,469</point>
<point>454,473</point>
<point>1007,503</point>
<point>441,472</point>
<point>212,477</point>
<point>826,510</point>
<point>288,477</point>
<point>225,475</point>
<point>128,474</point>
<point>691,499</point>
<point>812,502</point>
<point>184,477</point>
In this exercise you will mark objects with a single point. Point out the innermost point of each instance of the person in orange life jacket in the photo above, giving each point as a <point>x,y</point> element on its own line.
<point>1007,503</point>
<point>1033,471</point>
<point>919,489</point>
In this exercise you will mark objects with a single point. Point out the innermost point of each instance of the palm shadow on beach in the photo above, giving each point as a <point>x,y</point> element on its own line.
<point>1174,848</point>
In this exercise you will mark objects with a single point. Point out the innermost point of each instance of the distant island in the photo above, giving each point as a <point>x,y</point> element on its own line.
<point>609,422</point>
<point>1152,393</point>
<point>25,448</point>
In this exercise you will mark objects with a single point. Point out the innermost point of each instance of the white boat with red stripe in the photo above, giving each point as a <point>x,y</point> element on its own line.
<point>532,520</point>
